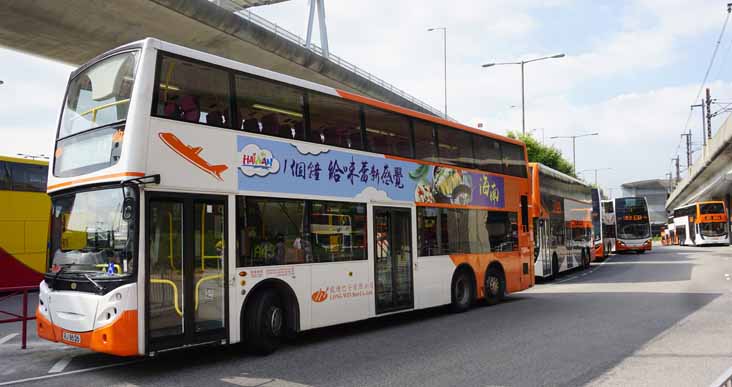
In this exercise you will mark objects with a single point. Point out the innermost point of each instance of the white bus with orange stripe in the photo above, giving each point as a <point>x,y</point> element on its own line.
<point>198,200</point>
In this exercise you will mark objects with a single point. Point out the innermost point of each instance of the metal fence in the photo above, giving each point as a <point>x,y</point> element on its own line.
<point>283,33</point>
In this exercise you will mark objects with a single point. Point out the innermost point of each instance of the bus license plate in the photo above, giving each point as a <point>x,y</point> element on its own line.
<point>72,337</point>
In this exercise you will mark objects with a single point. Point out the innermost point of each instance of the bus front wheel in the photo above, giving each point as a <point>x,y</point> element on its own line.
<point>264,323</point>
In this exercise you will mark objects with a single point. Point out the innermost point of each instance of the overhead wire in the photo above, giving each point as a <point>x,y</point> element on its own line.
<point>706,74</point>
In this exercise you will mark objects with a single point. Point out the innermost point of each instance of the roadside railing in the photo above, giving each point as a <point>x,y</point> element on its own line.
<point>283,33</point>
<point>23,318</point>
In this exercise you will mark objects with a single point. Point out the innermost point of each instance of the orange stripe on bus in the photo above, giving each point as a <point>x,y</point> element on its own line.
<point>461,206</point>
<point>94,178</point>
<point>423,116</point>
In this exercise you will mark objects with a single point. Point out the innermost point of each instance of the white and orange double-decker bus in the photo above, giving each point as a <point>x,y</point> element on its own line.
<point>702,223</point>
<point>561,209</point>
<point>198,200</point>
<point>632,225</point>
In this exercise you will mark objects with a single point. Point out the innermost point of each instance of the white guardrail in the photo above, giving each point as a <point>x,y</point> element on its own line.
<point>283,33</point>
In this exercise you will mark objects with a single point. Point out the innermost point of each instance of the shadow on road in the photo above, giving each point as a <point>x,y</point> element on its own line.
<point>533,339</point>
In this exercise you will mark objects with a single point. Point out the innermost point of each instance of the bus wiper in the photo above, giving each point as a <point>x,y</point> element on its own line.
<point>96,285</point>
<point>58,273</point>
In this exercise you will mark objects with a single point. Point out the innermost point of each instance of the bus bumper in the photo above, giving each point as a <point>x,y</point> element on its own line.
<point>113,334</point>
<point>599,252</point>
<point>621,246</point>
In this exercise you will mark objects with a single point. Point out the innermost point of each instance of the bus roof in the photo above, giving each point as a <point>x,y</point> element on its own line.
<point>234,65</point>
<point>21,160</point>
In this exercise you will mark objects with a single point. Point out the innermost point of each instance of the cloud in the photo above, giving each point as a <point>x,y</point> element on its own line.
<point>310,149</point>
<point>372,194</point>
<point>257,162</point>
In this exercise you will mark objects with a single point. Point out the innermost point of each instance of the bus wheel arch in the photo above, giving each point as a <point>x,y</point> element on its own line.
<point>463,288</point>
<point>495,283</point>
<point>276,292</point>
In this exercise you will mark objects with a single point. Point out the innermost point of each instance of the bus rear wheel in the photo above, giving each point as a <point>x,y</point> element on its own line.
<point>495,286</point>
<point>462,291</point>
<point>264,323</point>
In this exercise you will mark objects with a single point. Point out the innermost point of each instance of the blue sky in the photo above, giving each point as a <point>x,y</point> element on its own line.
<point>631,71</point>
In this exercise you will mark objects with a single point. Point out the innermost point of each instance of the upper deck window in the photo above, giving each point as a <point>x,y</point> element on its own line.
<point>424,141</point>
<point>24,177</point>
<point>455,147</point>
<point>488,155</point>
<point>270,108</point>
<point>388,133</point>
<point>99,95</point>
<point>334,121</point>
<point>193,92</point>
<point>711,208</point>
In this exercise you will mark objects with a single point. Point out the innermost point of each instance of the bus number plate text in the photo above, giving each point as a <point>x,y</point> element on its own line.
<point>72,337</point>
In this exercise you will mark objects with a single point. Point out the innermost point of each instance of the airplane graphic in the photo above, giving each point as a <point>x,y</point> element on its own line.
<point>191,154</point>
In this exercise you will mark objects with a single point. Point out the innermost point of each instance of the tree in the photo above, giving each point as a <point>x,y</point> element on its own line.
<point>547,155</point>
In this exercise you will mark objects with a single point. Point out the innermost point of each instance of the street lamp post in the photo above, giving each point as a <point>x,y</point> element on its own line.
<point>574,138</point>
<point>542,134</point>
<point>595,169</point>
<point>523,98</point>
<point>444,62</point>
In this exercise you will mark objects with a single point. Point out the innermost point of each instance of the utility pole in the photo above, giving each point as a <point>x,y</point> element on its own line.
<point>678,170</point>
<point>704,120</point>
<point>688,148</point>
<point>709,115</point>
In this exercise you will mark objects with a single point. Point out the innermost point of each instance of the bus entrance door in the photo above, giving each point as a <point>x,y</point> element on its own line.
<point>393,259</point>
<point>186,270</point>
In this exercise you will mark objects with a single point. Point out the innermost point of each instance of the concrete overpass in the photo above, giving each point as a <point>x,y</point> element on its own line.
<point>73,31</point>
<point>710,177</point>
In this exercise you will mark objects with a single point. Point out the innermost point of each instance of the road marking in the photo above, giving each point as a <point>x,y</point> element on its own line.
<point>60,365</point>
<point>261,382</point>
<point>68,373</point>
<point>8,338</point>
<point>592,270</point>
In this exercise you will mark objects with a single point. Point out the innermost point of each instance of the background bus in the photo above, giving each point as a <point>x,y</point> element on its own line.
<point>24,212</point>
<point>598,235</point>
<point>200,200</point>
<point>562,216</point>
<point>633,228</point>
<point>703,223</point>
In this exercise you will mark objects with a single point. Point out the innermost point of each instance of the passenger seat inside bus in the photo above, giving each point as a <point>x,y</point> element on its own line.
<point>190,108</point>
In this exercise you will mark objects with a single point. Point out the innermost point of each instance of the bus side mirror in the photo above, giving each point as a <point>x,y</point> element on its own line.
<point>128,208</point>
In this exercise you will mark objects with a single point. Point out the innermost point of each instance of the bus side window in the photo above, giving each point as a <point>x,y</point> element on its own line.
<point>4,177</point>
<point>270,108</point>
<point>193,92</point>
<point>27,177</point>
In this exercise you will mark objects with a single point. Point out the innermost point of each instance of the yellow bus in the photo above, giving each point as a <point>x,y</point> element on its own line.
<point>24,215</point>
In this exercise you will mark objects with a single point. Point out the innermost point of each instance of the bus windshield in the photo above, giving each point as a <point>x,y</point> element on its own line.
<point>100,95</point>
<point>634,230</point>
<point>93,231</point>
<point>714,229</point>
